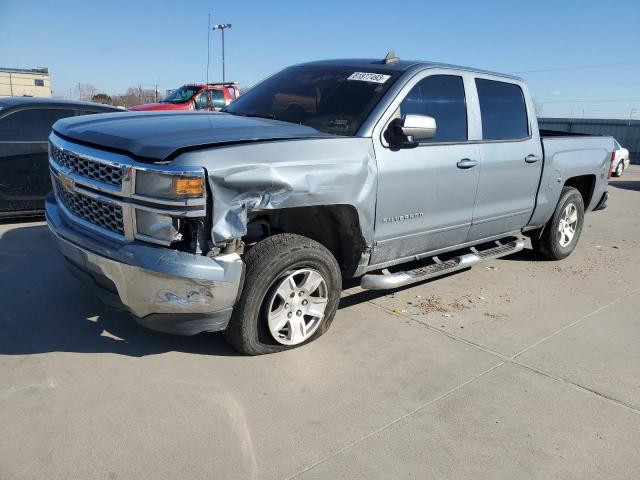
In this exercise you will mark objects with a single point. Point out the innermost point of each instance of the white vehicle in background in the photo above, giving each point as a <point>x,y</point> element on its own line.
<point>620,160</point>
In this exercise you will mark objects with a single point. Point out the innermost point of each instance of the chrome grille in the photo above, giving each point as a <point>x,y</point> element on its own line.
<point>101,172</point>
<point>97,212</point>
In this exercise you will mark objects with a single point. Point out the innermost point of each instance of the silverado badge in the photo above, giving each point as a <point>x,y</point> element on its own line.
<point>400,218</point>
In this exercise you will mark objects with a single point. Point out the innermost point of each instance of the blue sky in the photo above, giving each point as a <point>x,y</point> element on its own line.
<point>116,44</point>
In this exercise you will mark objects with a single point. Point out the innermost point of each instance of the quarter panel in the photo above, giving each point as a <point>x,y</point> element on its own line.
<point>567,157</point>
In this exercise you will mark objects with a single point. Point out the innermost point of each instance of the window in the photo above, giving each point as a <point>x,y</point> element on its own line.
<point>33,124</point>
<point>333,99</point>
<point>218,99</point>
<point>441,97</point>
<point>38,82</point>
<point>202,101</point>
<point>504,113</point>
<point>182,94</point>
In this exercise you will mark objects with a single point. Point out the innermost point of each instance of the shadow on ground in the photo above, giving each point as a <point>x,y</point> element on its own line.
<point>45,309</point>
<point>626,184</point>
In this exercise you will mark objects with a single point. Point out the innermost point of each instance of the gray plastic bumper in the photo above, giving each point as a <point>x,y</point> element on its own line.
<point>166,290</point>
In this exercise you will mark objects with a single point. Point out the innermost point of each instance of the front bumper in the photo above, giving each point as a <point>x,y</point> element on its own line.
<point>165,290</point>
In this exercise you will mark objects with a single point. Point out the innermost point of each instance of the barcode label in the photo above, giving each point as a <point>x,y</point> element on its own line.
<point>369,77</point>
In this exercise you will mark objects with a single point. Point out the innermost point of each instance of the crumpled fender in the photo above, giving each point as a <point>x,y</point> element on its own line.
<point>285,174</point>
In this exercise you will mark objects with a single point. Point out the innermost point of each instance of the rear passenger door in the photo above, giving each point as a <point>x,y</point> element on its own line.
<point>24,170</point>
<point>217,100</point>
<point>511,158</point>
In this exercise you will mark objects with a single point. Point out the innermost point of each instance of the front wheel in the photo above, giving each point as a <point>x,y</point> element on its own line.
<point>560,235</point>
<point>290,295</point>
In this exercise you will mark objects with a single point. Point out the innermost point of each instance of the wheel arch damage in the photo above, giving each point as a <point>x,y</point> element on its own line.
<point>322,188</point>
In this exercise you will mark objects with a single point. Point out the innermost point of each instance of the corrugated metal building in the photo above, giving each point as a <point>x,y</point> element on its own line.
<point>627,132</point>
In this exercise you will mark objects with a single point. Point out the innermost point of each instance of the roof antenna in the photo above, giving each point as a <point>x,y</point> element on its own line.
<point>390,58</point>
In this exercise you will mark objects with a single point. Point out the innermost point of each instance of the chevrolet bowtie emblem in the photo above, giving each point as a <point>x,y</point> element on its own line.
<point>65,181</point>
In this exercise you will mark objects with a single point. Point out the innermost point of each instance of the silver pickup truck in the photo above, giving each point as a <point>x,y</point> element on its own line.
<point>247,221</point>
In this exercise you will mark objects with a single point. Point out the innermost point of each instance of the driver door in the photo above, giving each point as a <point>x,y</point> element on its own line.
<point>426,192</point>
<point>203,101</point>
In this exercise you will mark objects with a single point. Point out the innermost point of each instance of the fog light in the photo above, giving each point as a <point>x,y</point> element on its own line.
<point>162,228</point>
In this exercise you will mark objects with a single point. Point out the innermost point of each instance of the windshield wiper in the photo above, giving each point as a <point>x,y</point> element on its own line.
<point>269,116</point>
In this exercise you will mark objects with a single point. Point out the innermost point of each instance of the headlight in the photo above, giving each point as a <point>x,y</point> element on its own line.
<point>165,185</point>
<point>156,226</point>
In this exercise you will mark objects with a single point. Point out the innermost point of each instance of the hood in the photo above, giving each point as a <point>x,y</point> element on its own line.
<point>157,135</point>
<point>161,106</point>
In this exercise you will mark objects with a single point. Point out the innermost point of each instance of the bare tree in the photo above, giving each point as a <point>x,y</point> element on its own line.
<point>538,106</point>
<point>85,91</point>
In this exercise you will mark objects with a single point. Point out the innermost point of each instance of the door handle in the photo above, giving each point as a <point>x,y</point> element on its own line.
<point>531,158</point>
<point>467,163</point>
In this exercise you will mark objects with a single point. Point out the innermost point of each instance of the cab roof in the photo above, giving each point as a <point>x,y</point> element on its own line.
<point>400,65</point>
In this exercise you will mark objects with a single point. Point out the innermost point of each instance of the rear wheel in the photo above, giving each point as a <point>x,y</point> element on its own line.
<point>290,295</point>
<point>619,169</point>
<point>560,235</point>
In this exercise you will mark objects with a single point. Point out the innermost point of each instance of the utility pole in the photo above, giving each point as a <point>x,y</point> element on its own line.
<point>208,43</point>
<point>222,27</point>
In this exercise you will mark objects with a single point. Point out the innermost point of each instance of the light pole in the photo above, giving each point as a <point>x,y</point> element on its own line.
<point>222,27</point>
<point>208,42</point>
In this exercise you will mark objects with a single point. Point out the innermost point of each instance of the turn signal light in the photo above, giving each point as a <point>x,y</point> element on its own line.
<point>188,186</point>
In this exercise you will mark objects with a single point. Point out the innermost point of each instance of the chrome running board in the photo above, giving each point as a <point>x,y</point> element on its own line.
<point>386,281</point>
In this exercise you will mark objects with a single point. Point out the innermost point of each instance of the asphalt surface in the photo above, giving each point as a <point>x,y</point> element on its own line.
<point>517,368</point>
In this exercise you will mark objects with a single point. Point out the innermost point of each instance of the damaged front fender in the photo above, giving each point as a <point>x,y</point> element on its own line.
<point>286,174</point>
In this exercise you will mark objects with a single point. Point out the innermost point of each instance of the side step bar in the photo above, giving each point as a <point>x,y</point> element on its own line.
<point>385,281</point>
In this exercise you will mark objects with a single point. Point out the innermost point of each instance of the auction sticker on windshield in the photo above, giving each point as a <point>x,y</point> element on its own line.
<point>369,77</point>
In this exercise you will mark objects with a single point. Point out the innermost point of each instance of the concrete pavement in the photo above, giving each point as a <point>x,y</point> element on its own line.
<point>518,368</point>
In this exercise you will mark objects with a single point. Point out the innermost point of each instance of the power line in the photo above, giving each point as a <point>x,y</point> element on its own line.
<point>579,67</point>
<point>588,101</point>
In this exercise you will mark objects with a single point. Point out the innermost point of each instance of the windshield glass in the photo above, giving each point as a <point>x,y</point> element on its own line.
<point>331,99</point>
<point>181,95</point>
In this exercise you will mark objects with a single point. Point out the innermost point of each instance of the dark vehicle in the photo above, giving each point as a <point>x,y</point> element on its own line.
<point>25,125</point>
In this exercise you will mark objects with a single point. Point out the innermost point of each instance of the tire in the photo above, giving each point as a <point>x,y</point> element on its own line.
<point>271,267</point>
<point>619,169</point>
<point>554,242</point>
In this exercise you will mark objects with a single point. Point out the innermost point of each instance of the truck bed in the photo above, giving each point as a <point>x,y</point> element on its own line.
<point>560,133</point>
<point>568,155</point>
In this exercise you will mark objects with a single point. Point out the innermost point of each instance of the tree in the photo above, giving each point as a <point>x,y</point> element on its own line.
<point>101,98</point>
<point>85,92</point>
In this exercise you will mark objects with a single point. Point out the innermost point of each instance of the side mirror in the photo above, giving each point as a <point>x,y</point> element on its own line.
<point>411,129</point>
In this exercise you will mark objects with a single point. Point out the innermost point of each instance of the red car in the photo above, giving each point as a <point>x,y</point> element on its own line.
<point>211,96</point>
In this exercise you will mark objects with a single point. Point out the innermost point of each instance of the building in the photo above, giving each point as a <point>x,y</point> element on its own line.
<point>626,132</point>
<point>18,82</point>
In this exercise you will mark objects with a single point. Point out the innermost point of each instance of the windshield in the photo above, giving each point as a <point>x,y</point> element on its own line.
<point>181,95</point>
<point>331,99</point>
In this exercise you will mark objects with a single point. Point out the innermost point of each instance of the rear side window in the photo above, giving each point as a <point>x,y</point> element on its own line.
<point>31,125</point>
<point>504,114</point>
<point>441,97</point>
<point>218,99</point>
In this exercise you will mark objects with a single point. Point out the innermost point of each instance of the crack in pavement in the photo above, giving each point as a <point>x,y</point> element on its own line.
<point>393,422</point>
<point>513,358</point>
<point>503,360</point>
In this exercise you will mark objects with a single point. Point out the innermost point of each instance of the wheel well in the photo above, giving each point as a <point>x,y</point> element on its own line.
<point>585,185</point>
<point>337,227</point>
